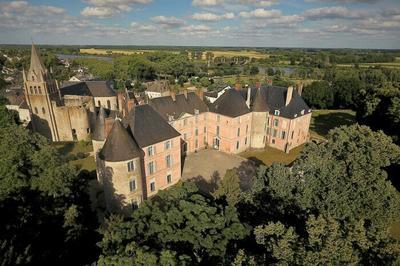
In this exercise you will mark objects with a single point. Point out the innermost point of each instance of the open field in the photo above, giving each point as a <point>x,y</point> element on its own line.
<point>324,120</point>
<point>270,155</point>
<point>395,64</point>
<point>98,51</point>
<point>78,154</point>
<point>229,54</point>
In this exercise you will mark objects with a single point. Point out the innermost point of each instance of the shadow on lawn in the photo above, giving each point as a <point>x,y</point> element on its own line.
<point>325,122</point>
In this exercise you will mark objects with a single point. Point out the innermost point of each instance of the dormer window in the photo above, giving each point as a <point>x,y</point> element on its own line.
<point>295,115</point>
<point>33,78</point>
<point>196,112</point>
<point>302,112</point>
<point>277,112</point>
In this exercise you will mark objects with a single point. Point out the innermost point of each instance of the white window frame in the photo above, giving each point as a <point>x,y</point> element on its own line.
<point>132,181</point>
<point>131,166</point>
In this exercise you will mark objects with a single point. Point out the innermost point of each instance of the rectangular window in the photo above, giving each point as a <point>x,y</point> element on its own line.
<point>132,185</point>
<point>131,166</point>
<point>292,135</point>
<point>168,144</point>
<point>217,130</point>
<point>205,130</point>
<point>185,136</point>
<point>196,132</point>
<point>196,144</point>
<point>273,141</point>
<point>184,122</point>
<point>152,186</point>
<point>237,145</point>
<point>283,134</point>
<point>218,118</point>
<point>275,132</point>
<point>245,141</point>
<point>151,151</point>
<point>238,132</point>
<point>169,179</point>
<point>168,160</point>
<point>205,140</point>
<point>247,128</point>
<point>276,122</point>
<point>268,131</point>
<point>152,167</point>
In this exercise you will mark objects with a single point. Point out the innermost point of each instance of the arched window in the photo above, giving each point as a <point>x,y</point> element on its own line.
<point>99,103</point>
<point>108,104</point>
<point>31,90</point>
<point>35,90</point>
<point>40,91</point>
<point>36,110</point>
<point>43,111</point>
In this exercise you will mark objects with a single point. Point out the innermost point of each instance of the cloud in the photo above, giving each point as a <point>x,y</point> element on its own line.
<point>211,3</point>
<point>335,12</point>
<point>261,13</point>
<point>205,3</point>
<point>262,3</point>
<point>25,8</point>
<point>109,8</point>
<point>345,1</point>
<point>211,17</point>
<point>196,29</point>
<point>169,22</point>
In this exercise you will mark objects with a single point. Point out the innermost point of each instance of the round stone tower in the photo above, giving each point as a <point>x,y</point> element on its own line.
<point>121,171</point>
<point>99,133</point>
<point>259,119</point>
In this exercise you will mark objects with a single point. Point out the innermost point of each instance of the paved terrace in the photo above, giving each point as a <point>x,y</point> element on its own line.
<point>206,167</point>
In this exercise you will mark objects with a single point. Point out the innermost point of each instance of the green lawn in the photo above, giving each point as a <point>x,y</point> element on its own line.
<point>324,120</point>
<point>270,155</point>
<point>68,149</point>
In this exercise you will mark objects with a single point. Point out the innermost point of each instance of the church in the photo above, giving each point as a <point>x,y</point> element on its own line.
<point>139,148</point>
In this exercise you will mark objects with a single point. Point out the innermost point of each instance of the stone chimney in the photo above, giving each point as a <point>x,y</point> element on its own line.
<point>248,96</point>
<point>289,94</point>
<point>185,92</point>
<point>300,89</point>
<point>238,86</point>
<point>173,95</point>
<point>270,82</point>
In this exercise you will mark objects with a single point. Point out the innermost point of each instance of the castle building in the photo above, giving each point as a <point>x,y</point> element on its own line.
<point>67,113</point>
<point>139,147</point>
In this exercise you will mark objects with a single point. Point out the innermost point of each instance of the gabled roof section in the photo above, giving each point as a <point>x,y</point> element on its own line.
<point>166,106</point>
<point>37,65</point>
<point>100,88</point>
<point>75,88</point>
<point>120,145</point>
<point>259,103</point>
<point>231,104</point>
<point>148,127</point>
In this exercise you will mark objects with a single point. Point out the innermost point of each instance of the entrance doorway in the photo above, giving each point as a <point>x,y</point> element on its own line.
<point>216,143</point>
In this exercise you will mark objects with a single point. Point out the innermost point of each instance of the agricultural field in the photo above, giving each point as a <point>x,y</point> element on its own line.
<point>324,120</point>
<point>230,54</point>
<point>98,51</point>
<point>395,64</point>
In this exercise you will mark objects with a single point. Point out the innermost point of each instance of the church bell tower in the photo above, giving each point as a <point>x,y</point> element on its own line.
<point>42,95</point>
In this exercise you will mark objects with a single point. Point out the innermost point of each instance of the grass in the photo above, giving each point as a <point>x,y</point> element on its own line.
<point>230,54</point>
<point>74,148</point>
<point>98,51</point>
<point>324,120</point>
<point>269,155</point>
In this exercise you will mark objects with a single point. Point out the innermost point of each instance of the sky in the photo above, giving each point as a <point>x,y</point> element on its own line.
<point>252,23</point>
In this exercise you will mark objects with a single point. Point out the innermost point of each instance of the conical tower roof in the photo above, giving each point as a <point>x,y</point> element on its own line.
<point>99,128</point>
<point>260,101</point>
<point>37,65</point>
<point>120,145</point>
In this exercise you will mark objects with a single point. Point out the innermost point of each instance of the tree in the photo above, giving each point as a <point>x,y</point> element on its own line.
<point>178,222</point>
<point>254,70</point>
<point>46,210</point>
<point>319,95</point>
<point>346,90</point>
<point>229,188</point>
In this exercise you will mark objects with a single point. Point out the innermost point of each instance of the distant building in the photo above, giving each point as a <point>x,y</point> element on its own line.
<point>212,96</point>
<point>17,102</point>
<point>157,88</point>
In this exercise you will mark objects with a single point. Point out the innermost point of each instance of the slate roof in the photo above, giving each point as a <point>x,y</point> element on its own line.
<point>148,127</point>
<point>166,106</point>
<point>36,65</point>
<point>231,104</point>
<point>259,102</point>
<point>88,88</point>
<point>120,145</point>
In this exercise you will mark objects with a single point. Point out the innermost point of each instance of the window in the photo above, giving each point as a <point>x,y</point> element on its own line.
<point>168,161</point>
<point>196,144</point>
<point>108,104</point>
<point>247,128</point>
<point>277,112</point>
<point>274,133</point>
<point>218,118</point>
<point>292,135</point>
<point>131,166</point>
<point>205,130</point>
<point>36,92</point>
<point>184,122</point>
<point>245,141</point>
<point>151,151</point>
<point>268,131</point>
<point>33,78</point>
<point>40,91</point>
<point>283,134</point>
<point>88,130</point>
<point>185,136</point>
<point>152,186</point>
<point>238,132</point>
<point>134,204</point>
<point>168,145</point>
<point>132,185</point>
<point>196,132</point>
<point>36,110</point>
<point>217,130</point>
<point>99,103</point>
<point>169,179</point>
<point>43,111</point>
<point>267,119</point>
<point>31,90</point>
<point>276,122</point>
<point>197,118</point>
<point>273,141</point>
<point>152,167</point>
<point>237,145</point>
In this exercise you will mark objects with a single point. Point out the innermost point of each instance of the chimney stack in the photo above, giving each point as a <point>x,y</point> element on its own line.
<point>185,92</point>
<point>270,82</point>
<point>289,94</point>
<point>248,96</point>
<point>300,88</point>
<point>173,95</point>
